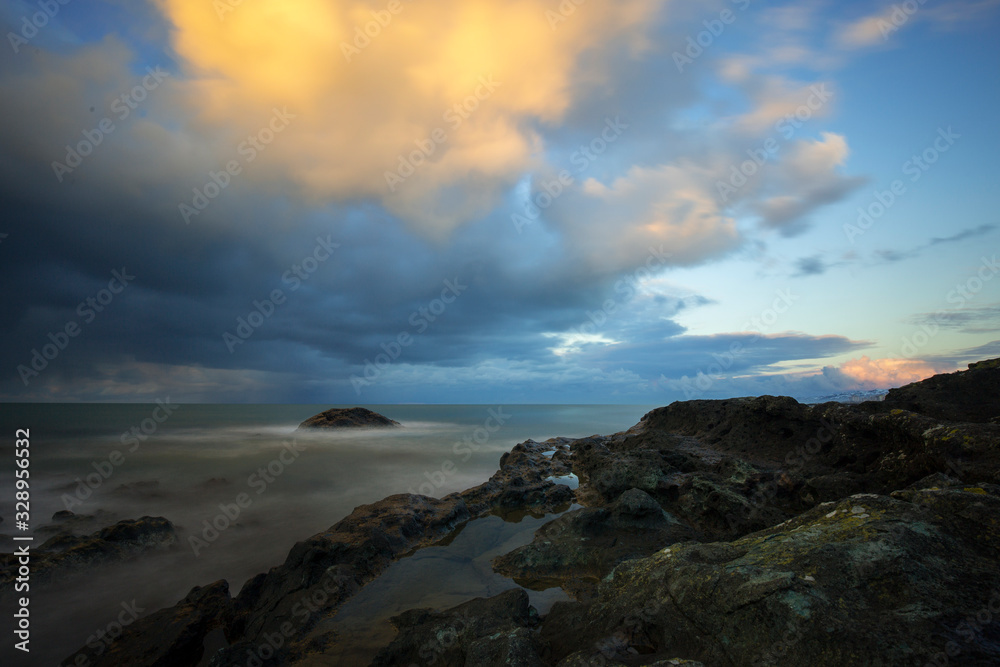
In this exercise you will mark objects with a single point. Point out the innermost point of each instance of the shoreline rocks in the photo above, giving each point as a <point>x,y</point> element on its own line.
<point>745,531</point>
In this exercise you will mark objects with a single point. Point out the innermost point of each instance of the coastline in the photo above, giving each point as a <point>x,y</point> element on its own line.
<point>741,518</point>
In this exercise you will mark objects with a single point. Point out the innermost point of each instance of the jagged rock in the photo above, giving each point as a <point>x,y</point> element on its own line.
<point>66,554</point>
<point>486,632</point>
<point>868,578</point>
<point>173,636</point>
<point>586,544</point>
<point>323,571</point>
<point>525,483</point>
<point>963,396</point>
<point>348,418</point>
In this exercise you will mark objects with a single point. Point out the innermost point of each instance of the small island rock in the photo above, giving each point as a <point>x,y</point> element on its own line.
<point>348,418</point>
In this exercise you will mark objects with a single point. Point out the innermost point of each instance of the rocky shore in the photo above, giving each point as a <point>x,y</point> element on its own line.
<point>750,531</point>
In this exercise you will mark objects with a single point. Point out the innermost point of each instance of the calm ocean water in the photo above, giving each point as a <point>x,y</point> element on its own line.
<point>181,462</point>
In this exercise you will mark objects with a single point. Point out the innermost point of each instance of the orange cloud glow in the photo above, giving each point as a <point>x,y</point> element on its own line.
<point>364,100</point>
<point>876,373</point>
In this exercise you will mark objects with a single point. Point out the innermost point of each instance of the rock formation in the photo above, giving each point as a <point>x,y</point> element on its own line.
<point>751,531</point>
<point>348,418</point>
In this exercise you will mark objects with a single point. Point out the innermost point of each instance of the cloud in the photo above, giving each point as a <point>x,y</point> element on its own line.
<point>962,235</point>
<point>866,31</point>
<point>805,180</point>
<point>660,352</point>
<point>612,227</point>
<point>900,255</point>
<point>984,319</point>
<point>811,266</point>
<point>647,203</point>
<point>365,103</point>
<point>867,373</point>
<point>877,28</point>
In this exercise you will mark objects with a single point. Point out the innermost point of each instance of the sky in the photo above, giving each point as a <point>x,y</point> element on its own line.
<point>494,201</point>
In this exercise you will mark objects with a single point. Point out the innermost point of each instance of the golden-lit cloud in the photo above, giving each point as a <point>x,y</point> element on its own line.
<point>450,91</point>
<point>877,373</point>
<point>670,207</point>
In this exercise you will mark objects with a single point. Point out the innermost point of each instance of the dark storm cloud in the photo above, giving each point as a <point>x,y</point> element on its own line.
<point>199,279</point>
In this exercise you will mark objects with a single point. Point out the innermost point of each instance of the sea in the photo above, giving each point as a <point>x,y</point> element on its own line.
<point>197,464</point>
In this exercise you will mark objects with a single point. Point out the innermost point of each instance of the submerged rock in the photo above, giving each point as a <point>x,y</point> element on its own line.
<point>348,418</point>
<point>66,554</point>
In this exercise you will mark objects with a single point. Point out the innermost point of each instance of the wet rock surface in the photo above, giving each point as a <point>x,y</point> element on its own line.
<point>745,531</point>
<point>484,631</point>
<point>336,418</point>
<point>579,548</point>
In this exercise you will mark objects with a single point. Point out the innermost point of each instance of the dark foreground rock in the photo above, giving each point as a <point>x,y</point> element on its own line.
<point>963,396</point>
<point>484,631</point>
<point>752,531</point>
<point>348,418</point>
<point>579,548</point>
<point>866,580</point>
<point>173,636</point>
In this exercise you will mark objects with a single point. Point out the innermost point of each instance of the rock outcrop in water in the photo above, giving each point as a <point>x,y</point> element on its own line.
<point>753,531</point>
<point>66,553</point>
<point>348,418</point>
